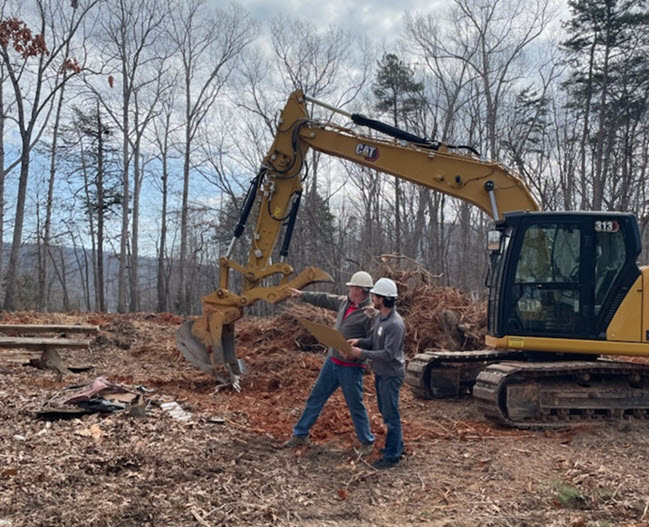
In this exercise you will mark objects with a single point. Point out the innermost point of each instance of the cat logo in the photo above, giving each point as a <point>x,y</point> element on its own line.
<point>371,153</point>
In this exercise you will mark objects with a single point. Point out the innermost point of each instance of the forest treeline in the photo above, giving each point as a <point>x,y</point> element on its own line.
<point>131,129</point>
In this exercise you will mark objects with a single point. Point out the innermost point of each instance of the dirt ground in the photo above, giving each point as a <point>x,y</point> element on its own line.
<point>224,466</point>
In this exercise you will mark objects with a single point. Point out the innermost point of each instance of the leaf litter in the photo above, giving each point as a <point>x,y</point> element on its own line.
<point>223,465</point>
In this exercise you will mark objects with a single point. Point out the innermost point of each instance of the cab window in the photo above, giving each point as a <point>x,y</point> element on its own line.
<point>610,254</point>
<point>546,290</point>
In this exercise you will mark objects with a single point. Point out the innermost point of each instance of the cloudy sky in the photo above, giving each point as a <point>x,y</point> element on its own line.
<point>379,20</point>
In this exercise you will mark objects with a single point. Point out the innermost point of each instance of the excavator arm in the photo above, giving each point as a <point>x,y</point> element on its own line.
<point>209,341</point>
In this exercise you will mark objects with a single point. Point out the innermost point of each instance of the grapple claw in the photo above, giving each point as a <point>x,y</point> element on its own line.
<point>208,342</point>
<point>210,358</point>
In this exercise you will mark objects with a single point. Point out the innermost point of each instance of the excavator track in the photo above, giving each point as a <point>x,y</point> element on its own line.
<point>442,374</point>
<point>546,394</point>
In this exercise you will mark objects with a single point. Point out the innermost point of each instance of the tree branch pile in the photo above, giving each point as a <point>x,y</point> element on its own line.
<point>436,317</point>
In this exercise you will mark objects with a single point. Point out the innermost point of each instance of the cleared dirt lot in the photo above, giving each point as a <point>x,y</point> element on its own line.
<point>223,466</point>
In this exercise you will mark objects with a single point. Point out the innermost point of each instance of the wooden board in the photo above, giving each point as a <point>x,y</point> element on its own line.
<point>19,356</point>
<point>34,343</point>
<point>330,337</point>
<point>48,328</point>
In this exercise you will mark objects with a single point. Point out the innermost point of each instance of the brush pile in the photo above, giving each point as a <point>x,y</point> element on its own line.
<point>436,317</point>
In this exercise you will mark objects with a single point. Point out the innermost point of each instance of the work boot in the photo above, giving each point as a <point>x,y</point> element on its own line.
<point>365,449</point>
<point>296,441</point>
<point>382,464</point>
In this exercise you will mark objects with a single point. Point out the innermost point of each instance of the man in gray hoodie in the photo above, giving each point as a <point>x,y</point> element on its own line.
<point>384,347</point>
<point>337,371</point>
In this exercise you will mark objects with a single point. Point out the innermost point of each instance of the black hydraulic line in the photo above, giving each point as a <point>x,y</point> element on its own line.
<point>290,224</point>
<point>466,147</point>
<point>295,141</point>
<point>248,203</point>
<point>393,131</point>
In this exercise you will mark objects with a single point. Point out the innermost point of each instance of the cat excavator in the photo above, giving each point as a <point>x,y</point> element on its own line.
<point>566,295</point>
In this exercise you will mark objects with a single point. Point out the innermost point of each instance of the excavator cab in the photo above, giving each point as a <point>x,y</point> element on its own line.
<point>561,275</point>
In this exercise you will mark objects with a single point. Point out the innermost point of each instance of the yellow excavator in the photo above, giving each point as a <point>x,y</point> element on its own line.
<point>565,289</point>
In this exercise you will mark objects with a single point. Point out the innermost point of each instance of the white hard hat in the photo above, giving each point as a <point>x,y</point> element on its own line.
<point>361,279</point>
<point>385,287</point>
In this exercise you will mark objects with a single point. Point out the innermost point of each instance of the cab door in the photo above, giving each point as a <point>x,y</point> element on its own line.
<point>550,267</point>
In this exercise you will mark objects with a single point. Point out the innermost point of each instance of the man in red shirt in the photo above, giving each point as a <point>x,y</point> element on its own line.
<point>354,323</point>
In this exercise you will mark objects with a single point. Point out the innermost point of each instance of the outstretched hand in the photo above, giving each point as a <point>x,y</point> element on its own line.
<point>295,293</point>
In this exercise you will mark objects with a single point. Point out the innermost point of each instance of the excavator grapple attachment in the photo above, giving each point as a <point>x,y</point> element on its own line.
<point>206,357</point>
<point>208,342</point>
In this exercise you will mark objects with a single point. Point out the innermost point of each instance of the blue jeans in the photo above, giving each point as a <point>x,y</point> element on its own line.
<point>350,380</point>
<point>387,397</point>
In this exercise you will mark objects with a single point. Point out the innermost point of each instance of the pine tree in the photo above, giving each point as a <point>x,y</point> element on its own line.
<point>89,152</point>
<point>608,86</point>
<point>399,95</point>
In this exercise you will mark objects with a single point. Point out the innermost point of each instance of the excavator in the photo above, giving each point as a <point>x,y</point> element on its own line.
<point>566,296</point>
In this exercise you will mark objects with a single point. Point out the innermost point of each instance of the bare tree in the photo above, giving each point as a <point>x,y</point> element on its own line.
<point>496,35</point>
<point>163,129</point>
<point>131,33</point>
<point>143,115</point>
<point>210,42</point>
<point>69,67</point>
<point>475,62</point>
<point>4,112</point>
<point>35,66</point>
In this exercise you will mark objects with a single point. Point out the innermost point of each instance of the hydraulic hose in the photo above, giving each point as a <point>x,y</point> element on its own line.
<point>290,224</point>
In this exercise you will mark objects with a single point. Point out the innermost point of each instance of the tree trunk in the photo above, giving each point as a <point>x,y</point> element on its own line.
<point>599,176</point>
<point>586,130</point>
<point>43,301</point>
<point>99,278</point>
<point>184,228</point>
<point>137,186</point>
<point>161,282</point>
<point>14,256</point>
<point>64,281</point>
<point>123,257</point>
<point>2,168</point>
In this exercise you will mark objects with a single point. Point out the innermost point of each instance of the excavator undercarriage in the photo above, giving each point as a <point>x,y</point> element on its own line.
<point>532,394</point>
<point>443,374</point>
<point>517,389</point>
